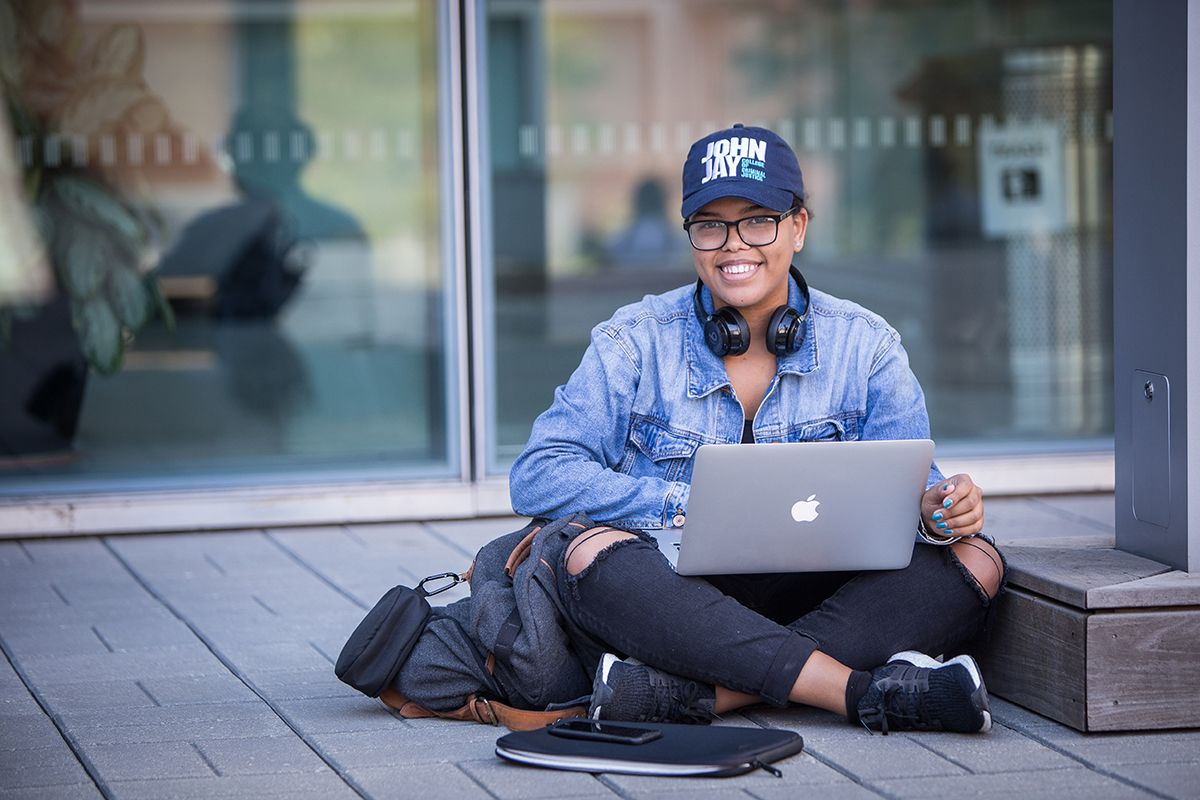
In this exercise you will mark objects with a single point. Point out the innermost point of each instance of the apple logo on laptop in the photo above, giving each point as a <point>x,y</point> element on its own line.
<point>806,510</point>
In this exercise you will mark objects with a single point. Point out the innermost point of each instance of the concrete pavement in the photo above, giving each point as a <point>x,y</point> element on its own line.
<point>200,665</point>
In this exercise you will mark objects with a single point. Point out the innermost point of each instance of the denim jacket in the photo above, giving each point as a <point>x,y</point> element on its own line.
<point>618,441</point>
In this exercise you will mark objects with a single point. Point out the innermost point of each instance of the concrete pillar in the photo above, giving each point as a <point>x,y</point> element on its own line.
<point>1156,277</point>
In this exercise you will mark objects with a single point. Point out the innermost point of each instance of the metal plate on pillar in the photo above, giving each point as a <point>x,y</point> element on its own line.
<point>1151,448</point>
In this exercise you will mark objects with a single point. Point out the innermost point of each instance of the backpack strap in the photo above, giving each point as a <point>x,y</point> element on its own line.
<point>519,553</point>
<point>483,711</point>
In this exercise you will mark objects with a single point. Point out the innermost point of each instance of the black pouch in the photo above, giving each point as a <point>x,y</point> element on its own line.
<point>676,750</point>
<point>374,653</point>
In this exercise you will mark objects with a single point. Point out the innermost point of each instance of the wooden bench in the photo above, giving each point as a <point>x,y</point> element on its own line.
<point>1097,639</point>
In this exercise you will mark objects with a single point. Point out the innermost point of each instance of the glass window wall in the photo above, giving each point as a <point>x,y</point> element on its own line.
<point>248,211</point>
<point>958,157</point>
<point>228,227</point>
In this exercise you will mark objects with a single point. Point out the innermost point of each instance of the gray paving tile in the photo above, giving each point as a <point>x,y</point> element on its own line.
<point>1097,509</point>
<point>1060,784</point>
<point>682,788</point>
<point>299,684</point>
<point>16,701</point>
<point>780,790</point>
<point>28,732</point>
<point>174,724</point>
<point>294,785</point>
<point>340,715</point>
<point>472,534</point>
<point>147,760</point>
<point>274,656</point>
<point>64,639</point>
<point>1001,750</point>
<point>260,756</point>
<point>46,767</point>
<point>506,779</point>
<point>801,774</point>
<point>408,746</point>
<point>1177,780</point>
<point>181,660</point>
<point>367,560</point>
<point>814,724</point>
<point>75,791</point>
<point>429,781</point>
<point>198,689</point>
<point>94,696</point>
<point>873,758</point>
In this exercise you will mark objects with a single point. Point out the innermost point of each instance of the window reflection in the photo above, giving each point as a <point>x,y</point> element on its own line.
<point>891,108</point>
<point>284,161</point>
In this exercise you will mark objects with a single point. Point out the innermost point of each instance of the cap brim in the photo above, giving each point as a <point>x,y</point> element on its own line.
<point>760,194</point>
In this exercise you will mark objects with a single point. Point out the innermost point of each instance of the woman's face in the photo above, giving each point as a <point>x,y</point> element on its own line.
<point>749,278</point>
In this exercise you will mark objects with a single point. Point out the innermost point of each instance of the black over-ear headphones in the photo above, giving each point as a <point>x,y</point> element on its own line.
<point>727,334</point>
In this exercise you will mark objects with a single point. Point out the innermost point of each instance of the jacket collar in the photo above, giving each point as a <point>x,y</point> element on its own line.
<point>706,371</point>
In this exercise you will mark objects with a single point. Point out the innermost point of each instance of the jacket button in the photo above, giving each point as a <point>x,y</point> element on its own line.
<point>679,520</point>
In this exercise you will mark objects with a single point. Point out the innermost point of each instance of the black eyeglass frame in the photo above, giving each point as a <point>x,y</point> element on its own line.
<point>778,218</point>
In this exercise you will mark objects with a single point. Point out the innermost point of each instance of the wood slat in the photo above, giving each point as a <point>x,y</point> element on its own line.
<point>1141,670</point>
<point>1035,657</point>
<point>1069,575</point>
<point>1173,588</point>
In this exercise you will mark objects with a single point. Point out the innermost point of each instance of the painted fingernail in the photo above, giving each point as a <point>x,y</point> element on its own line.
<point>949,532</point>
<point>947,503</point>
<point>937,515</point>
<point>947,487</point>
<point>941,525</point>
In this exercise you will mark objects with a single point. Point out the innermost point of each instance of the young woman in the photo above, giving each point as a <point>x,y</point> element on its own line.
<point>749,354</point>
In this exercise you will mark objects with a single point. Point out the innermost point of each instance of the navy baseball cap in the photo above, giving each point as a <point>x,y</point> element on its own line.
<point>754,164</point>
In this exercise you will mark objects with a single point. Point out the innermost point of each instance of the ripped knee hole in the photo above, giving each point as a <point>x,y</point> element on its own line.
<point>588,545</point>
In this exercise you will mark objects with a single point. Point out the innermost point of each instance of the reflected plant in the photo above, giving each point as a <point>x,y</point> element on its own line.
<point>63,98</point>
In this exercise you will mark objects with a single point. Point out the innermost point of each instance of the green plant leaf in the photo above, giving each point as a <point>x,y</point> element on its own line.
<point>100,334</point>
<point>91,202</point>
<point>161,304</point>
<point>85,257</point>
<point>127,294</point>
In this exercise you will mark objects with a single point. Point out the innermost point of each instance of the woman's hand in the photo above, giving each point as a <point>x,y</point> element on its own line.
<point>953,507</point>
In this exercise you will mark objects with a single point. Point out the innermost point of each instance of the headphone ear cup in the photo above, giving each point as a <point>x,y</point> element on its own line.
<point>785,331</point>
<point>727,333</point>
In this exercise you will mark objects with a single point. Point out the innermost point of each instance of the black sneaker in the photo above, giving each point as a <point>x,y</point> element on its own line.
<point>913,692</point>
<point>627,692</point>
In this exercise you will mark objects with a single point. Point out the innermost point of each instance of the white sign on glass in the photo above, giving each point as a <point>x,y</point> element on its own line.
<point>1021,179</point>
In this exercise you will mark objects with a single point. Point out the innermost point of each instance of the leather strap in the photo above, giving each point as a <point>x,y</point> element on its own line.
<point>481,710</point>
<point>519,554</point>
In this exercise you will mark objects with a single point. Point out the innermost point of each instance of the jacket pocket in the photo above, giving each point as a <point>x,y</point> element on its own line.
<point>842,428</point>
<point>660,451</point>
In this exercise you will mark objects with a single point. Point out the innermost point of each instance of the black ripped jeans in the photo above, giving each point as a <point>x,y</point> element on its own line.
<point>753,633</point>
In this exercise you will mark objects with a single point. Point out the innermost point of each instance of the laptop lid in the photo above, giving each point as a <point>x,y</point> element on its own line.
<point>802,507</point>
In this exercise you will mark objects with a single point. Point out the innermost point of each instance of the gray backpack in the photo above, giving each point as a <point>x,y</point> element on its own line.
<point>501,656</point>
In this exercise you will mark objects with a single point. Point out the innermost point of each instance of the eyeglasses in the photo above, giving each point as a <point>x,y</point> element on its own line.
<point>756,231</point>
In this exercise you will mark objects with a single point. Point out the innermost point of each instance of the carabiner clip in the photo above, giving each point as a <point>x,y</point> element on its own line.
<point>454,577</point>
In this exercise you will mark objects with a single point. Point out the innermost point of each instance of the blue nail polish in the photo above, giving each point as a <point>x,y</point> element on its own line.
<point>949,532</point>
<point>941,525</point>
<point>946,488</point>
<point>937,515</point>
<point>947,503</point>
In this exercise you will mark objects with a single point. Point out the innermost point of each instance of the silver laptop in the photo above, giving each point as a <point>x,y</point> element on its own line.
<point>804,507</point>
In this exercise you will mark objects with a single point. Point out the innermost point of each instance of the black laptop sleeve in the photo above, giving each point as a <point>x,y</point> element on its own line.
<point>682,750</point>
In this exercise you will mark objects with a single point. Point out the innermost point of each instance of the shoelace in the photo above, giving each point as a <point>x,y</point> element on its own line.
<point>903,699</point>
<point>674,701</point>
